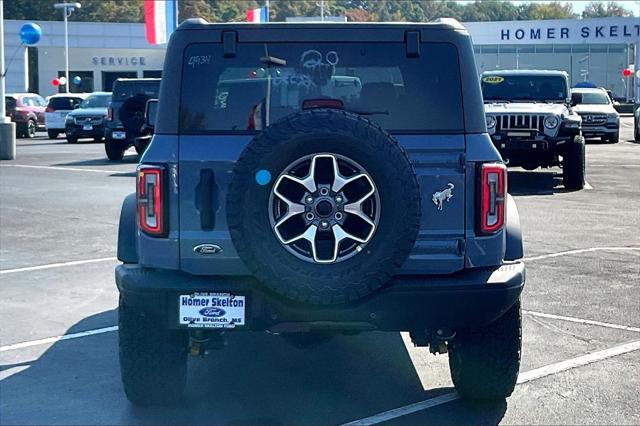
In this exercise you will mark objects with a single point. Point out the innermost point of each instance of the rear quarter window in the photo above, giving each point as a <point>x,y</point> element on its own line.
<point>244,93</point>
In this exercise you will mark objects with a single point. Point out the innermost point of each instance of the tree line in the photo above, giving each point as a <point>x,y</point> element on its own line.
<point>354,10</point>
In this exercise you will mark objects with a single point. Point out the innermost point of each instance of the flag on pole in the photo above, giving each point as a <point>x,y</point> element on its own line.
<point>257,15</point>
<point>160,20</point>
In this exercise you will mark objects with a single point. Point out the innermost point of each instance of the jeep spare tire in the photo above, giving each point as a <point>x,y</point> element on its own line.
<point>323,207</point>
<point>131,114</point>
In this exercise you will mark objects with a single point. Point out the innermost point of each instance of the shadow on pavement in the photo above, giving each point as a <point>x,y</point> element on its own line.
<point>128,159</point>
<point>257,379</point>
<point>536,182</point>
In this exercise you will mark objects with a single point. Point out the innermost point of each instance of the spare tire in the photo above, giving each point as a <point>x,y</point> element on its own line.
<point>131,114</point>
<point>323,207</point>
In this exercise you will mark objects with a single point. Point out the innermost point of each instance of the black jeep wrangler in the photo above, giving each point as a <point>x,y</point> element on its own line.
<point>531,121</point>
<point>310,180</point>
<point>125,125</point>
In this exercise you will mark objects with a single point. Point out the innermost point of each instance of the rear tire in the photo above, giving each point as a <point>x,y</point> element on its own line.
<point>574,164</point>
<point>72,139</point>
<point>53,134</point>
<point>153,359</point>
<point>114,151</point>
<point>485,361</point>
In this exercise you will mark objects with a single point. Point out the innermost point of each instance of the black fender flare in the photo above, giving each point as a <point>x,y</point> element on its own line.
<point>514,248</point>
<point>127,232</point>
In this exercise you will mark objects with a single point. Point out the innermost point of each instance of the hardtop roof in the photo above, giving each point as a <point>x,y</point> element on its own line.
<point>527,72</point>
<point>439,24</point>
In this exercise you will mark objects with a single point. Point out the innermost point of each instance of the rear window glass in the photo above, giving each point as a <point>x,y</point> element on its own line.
<point>126,90</point>
<point>64,103</point>
<point>246,92</point>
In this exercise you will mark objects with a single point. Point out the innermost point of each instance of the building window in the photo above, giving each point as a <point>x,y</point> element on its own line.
<point>32,70</point>
<point>108,77</point>
<point>152,73</point>
<point>84,86</point>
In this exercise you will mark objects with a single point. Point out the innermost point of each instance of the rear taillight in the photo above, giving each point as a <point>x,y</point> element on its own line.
<point>49,109</point>
<point>493,192</point>
<point>150,196</point>
<point>109,113</point>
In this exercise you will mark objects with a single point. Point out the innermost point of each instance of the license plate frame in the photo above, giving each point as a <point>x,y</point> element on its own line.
<point>119,134</point>
<point>212,310</point>
<point>87,127</point>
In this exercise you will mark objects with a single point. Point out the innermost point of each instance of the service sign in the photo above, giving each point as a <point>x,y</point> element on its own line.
<point>211,310</point>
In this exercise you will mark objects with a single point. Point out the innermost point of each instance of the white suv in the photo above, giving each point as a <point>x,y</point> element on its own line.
<point>58,106</point>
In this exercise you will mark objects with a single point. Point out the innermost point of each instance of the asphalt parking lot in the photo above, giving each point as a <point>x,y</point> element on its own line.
<point>59,207</point>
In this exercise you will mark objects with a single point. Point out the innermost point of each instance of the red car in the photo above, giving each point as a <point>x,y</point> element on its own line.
<point>27,111</point>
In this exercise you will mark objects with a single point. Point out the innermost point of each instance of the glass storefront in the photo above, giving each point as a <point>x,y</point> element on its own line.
<point>601,64</point>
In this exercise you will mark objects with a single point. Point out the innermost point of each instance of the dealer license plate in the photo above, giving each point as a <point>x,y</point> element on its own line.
<point>118,135</point>
<point>211,310</point>
<point>87,127</point>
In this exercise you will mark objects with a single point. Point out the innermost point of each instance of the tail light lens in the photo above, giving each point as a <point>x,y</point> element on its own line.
<point>493,192</point>
<point>109,113</point>
<point>151,203</point>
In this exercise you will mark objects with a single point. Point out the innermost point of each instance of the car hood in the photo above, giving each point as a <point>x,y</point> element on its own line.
<point>88,111</point>
<point>525,108</point>
<point>599,109</point>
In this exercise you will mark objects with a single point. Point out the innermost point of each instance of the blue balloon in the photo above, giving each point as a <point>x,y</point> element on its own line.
<point>30,33</point>
<point>77,79</point>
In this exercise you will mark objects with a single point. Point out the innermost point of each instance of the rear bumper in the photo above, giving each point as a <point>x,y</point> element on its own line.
<point>468,298</point>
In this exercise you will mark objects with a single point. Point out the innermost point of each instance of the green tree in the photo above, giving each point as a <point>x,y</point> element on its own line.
<point>597,9</point>
<point>553,10</point>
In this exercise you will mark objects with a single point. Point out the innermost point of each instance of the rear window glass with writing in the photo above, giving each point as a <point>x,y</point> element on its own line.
<point>378,81</point>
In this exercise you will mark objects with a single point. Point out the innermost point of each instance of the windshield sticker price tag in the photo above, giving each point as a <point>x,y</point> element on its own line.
<point>493,79</point>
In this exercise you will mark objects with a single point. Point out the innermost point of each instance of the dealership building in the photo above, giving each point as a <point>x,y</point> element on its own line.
<point>595,50</point>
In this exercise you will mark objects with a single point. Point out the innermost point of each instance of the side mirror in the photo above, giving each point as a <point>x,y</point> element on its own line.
<point>576,98</point>
<point>151,109</point>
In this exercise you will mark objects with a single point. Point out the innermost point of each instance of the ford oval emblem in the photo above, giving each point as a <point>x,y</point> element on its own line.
<point>207,249</point>
<point>212,312</point>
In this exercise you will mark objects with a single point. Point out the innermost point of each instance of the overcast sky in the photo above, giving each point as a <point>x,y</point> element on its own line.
<point>578,6</point>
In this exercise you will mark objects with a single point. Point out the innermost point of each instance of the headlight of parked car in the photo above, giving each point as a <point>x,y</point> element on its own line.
<point>491,122</point>
<point>613,116</point>
<point>551,122</point>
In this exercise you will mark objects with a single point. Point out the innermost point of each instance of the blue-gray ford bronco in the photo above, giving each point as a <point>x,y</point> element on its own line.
<point>311,180</point>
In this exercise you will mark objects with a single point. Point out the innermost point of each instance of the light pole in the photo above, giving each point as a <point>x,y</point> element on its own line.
<point>67,9</point>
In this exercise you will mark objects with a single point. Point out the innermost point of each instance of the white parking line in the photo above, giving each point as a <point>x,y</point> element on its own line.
<point>577,251</point>
<point>587,185</point>
<point>67,169</point>
<point>525,377</point>
<point>57,265</point>
<point>581,321</point>
<point>54,339</point>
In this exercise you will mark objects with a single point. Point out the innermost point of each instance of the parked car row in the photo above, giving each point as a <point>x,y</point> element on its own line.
<point>118,117</point>
<point>536,120</point>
